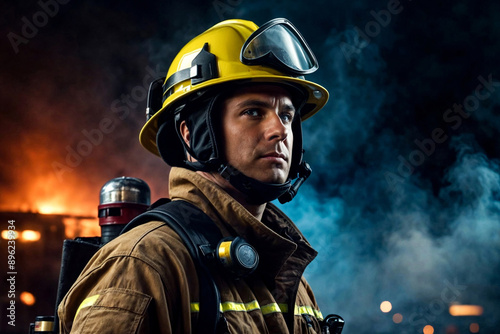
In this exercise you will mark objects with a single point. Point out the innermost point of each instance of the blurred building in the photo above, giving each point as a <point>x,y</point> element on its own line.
<point>38,246</point>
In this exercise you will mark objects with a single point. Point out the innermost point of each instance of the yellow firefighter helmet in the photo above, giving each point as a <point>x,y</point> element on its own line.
<point>238,51</point>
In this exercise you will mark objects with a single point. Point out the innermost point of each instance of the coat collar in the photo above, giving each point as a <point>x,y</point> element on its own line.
<point>275,238</point>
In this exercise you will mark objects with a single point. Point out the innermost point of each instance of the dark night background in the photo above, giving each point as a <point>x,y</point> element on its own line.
<point>403,204</point>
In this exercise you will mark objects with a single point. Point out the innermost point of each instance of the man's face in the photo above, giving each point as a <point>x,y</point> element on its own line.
<point>257,132</point>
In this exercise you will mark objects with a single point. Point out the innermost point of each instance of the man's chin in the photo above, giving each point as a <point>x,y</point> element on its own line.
<point>275,178</point>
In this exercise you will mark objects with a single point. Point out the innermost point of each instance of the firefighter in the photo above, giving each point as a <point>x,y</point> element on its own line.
<point>229,125</point>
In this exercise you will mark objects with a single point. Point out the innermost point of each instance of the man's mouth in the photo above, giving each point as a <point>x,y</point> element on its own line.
<point>275,156</point>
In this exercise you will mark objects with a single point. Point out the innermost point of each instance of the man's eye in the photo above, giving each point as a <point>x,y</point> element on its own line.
<point>287,117</point>
<point>252,112</point>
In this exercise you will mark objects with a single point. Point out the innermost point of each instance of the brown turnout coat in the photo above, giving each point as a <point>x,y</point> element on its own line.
<point>145,280</point>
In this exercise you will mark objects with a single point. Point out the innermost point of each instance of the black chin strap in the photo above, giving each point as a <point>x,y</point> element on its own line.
<point>259,192</point>
<point>304,172</point>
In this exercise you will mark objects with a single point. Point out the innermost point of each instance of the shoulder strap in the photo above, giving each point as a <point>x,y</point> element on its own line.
<point>200,235</point>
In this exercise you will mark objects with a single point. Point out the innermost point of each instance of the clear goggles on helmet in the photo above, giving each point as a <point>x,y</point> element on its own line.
<point>278,44</point>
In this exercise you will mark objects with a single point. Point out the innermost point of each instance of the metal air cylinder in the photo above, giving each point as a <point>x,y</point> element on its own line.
<point>121,199</point>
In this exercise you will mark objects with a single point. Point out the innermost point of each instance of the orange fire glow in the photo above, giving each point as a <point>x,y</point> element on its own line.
<point>46,170</point>
<point>34,184</point>
<point>49,208</point>
<point>30,235</point>
<point>76,227</point>
<point>37,188</point>
<point>41,180</point>
<point>49,196</point>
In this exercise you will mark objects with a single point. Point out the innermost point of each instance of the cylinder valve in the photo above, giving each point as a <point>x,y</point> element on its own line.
<point>120,200</point>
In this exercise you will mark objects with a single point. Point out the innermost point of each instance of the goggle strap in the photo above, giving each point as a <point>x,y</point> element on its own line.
<point>154,100</point>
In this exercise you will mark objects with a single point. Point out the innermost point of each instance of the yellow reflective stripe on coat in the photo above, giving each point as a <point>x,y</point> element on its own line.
<point>271,308</point>
<point>195,307</point>
<point>300,310</point>
<point>87,302</point>
<point>231,306</point>
<point>266,309</point>
<point>239,307</point>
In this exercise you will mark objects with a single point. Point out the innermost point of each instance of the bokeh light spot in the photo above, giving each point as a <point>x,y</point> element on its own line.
<point>428,329</point>
<point>27,298</point>
<point>397,318</point>
<point>474,327</point>
<point>385,306</point>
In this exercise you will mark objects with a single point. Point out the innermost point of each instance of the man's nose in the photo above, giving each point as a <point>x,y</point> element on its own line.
<point>275,129</point>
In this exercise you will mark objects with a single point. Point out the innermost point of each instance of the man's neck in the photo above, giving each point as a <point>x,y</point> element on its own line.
<point>257,210</point>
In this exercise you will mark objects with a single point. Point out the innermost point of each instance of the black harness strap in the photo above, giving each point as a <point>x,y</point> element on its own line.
<point>200,235</point>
